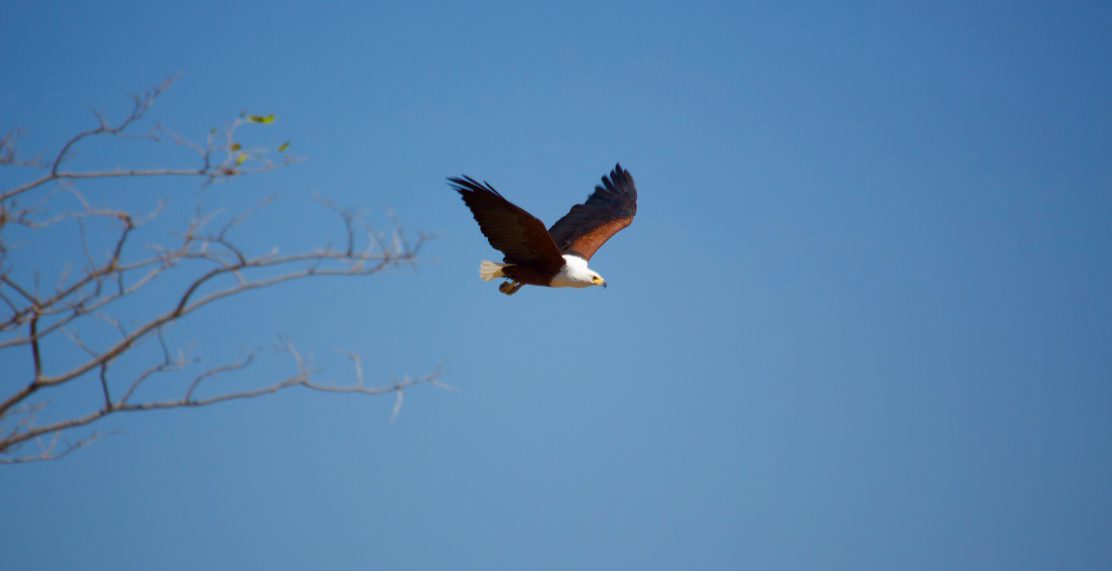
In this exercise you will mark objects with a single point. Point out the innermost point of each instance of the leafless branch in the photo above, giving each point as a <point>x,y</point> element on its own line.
<point>232,162</point>
<point>50,450</point>
<point>200,265</point>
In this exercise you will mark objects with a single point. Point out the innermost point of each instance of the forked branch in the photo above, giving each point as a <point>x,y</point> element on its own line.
<point>201,265</point>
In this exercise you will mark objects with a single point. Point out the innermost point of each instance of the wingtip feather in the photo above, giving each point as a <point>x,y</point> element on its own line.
<point>464,184</point>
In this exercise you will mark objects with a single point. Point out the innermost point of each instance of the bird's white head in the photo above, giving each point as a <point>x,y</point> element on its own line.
<point>575,273</point>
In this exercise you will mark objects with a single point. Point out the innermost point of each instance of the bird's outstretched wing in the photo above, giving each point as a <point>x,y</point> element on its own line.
<point>520,237</point>
<point>611,207</point>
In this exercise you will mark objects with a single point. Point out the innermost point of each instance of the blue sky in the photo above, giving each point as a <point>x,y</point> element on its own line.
<point>862,319</point>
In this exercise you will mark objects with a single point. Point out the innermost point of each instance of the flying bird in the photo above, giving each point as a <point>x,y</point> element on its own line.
<point>558,256</point>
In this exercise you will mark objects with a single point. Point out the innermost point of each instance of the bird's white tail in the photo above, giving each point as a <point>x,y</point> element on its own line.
<point>489,270</point>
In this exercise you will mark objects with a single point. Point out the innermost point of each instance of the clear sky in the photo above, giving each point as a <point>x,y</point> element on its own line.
<point>862,321</point>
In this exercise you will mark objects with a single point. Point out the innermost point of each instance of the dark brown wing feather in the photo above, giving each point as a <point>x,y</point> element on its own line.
<point>520,237</point>
<point>588,226</point>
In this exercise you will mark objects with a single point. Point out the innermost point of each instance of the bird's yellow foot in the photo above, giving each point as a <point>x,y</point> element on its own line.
<point>509,288</point>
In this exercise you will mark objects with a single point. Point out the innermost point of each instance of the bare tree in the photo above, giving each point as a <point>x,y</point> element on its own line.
<point>44,328</point>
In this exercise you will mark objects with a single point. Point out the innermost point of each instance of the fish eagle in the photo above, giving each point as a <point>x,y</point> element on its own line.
<point>556,257</point>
